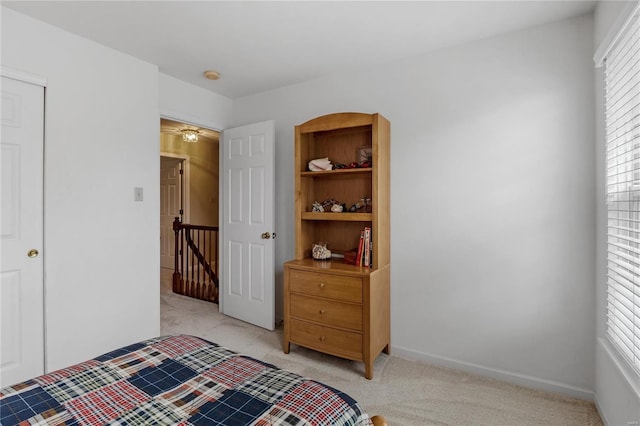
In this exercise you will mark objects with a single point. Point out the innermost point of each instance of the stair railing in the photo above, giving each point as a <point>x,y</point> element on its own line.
<point>196,261</point>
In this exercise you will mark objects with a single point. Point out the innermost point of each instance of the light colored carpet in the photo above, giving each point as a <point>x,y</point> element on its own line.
<point>406,392</point>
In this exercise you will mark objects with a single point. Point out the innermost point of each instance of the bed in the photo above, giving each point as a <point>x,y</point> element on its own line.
<point>177,380</point>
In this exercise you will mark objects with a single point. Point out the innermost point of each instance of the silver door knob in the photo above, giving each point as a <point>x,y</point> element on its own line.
<point>32,253</point>
<point>266,235</point>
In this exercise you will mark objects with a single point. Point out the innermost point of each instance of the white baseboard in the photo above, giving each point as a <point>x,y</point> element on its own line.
<point>507,376</point>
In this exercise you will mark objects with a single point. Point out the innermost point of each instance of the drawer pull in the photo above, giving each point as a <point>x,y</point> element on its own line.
<point>322,338</point>
<point>322,285</point>
<point>322,312</point>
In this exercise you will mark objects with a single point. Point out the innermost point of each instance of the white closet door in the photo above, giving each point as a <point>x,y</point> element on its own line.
<point>21,275</point>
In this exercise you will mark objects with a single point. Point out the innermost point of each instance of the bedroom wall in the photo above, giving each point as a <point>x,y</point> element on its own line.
<point>102,136</point>
<point>187,103</point>
<point>617,387</point>
<point>493,201</point>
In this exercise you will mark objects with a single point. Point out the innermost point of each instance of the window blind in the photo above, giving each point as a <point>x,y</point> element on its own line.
<point>622,112</point>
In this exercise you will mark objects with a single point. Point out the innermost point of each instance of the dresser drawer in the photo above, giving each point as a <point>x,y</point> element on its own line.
<point>326,339</point>
<point>329,312</point>
<point>342,287</point>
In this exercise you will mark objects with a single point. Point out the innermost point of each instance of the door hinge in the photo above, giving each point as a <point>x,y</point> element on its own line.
<point>181,211</point>
<point>181,171</point>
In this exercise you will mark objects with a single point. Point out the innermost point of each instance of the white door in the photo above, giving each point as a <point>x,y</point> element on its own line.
<point>247,226</point>
<point>170,207</point>
<point>21,276</point>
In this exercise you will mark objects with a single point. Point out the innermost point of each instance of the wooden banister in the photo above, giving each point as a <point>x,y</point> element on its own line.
<point>196,265</point>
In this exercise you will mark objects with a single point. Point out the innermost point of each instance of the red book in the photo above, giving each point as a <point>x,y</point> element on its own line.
<point>360,248</point>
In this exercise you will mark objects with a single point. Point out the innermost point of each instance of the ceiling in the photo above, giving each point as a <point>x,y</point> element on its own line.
<point>264,45</point>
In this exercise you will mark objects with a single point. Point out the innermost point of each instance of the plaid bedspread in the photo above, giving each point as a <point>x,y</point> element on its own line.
<point>176,380</point>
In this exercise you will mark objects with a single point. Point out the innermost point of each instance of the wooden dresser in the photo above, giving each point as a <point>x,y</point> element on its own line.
<point>341,312</point>
<point>329,305</point>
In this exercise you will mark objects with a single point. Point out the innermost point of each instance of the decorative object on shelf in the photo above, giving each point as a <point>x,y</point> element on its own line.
<point>328,205</point>
<point>320,164</point>
<point>350,257</point>
<point>360,204</point>
<point>354,165</point>
<point>364,154</point>
<point>320,251</point>
<point>367,204</point>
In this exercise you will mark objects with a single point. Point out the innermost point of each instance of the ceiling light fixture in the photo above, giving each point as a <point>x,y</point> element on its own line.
<point>190,135</point>
<point>212,75</point>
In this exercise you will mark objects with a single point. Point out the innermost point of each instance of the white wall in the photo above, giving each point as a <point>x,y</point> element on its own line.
<point>101,140</point>
<point>191,104</point>
<point>493,201</point>
<point>617,388</point>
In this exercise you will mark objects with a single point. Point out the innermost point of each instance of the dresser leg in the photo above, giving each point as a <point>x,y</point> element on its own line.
<point>387,350</point>
<point>286,346</point>
<point>368,369</point>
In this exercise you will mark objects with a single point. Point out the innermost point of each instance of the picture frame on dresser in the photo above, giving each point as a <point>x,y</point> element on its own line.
<point>364,154</point>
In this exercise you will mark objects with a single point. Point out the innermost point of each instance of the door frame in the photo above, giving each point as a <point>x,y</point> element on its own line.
<point>23,76</point>
<point>186,196</point>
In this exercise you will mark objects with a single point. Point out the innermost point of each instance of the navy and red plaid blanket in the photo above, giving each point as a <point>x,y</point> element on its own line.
<point>176,380</point>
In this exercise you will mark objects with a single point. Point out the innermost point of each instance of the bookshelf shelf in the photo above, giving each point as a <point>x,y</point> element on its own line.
<point>339,173</point>
<point>344,217</point>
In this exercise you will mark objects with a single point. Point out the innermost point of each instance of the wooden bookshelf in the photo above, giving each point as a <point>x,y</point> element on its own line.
<point>318,315</point>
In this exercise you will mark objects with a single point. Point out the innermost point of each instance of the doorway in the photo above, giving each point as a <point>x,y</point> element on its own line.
<point>247,260</point>
<point>189,185</point>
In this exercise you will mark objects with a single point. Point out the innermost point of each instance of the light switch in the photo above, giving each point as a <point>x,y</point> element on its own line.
<point>138,193</point>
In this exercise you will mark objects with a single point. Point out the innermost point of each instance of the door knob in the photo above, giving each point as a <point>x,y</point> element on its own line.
<point>266,235</point>
<point>32,253</point>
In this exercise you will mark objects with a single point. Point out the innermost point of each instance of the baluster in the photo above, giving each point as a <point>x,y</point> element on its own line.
<point>181,260</point>
<point>198,295</point>
<point>217,246</point>
<point>205,272</point>
<point>175,277</point>
<point>187,275</point>
<point>193,271</point>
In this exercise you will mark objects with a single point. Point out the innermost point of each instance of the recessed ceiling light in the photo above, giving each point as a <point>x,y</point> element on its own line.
<point>212,75</point>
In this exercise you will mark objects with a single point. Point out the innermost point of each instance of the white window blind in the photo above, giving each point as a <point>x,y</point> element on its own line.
<point>622,109</point>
